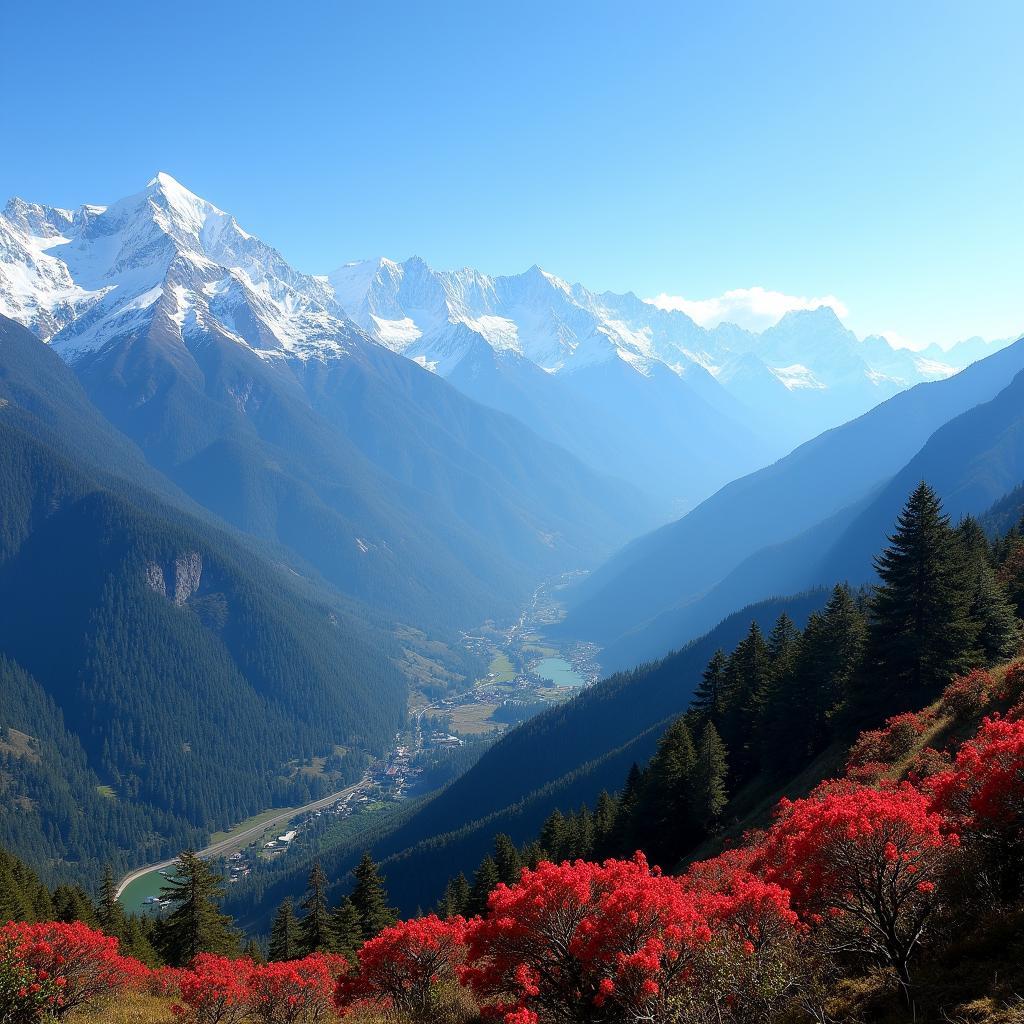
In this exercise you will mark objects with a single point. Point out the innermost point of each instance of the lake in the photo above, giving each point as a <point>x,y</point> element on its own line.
<point>134,897</point>
<point>559,671</point>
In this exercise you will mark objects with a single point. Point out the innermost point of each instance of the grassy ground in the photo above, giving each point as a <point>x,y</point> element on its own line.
<point>501,669</point>
<point>252,822</point>
<point>473,719</point>
<point>131,1008</point>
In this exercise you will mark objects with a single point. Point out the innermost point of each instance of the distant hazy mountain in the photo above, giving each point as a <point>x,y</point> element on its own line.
<point>643,392</point>
<point>242,380</point>
<point>772,532</point>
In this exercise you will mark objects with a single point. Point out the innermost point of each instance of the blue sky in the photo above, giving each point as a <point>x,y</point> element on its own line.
<point>868,151</point>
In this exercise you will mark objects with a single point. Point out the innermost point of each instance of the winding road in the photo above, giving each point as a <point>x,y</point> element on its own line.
<point>236,842</point>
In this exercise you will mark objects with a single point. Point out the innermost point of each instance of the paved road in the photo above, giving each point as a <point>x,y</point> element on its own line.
<point>244,838</point>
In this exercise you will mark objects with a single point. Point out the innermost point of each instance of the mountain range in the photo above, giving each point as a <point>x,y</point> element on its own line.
<point>164,285</point>
<point>230,488</point>
<point>674,408</point>
<point>244,384</point>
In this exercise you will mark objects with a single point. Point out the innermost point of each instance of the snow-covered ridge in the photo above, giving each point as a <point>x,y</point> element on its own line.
<point>560,327</point>
<point>162,259</point>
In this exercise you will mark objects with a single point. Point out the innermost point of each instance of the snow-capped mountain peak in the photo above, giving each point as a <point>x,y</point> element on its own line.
<point>163,258</point>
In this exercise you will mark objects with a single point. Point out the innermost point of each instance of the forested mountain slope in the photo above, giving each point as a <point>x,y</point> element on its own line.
<point>151,655</point>
<point>972,460</point>
<point>676,582</point>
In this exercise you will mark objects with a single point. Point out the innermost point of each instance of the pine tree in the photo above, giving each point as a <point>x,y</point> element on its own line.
<point>709,699</point>
<point>136,943</point>
<point>456,897</point>
<point>72,903</point>
<point>708,792</point>
<point>991,606</point>
<point>783,644</point>
<point>315,931</point>
<point>285,940</point>
<point>748,681</point>
<point>554,835</point>
<point>506,858</point>
<point>371,899</point>
<point>253,951</point>
<point>195,925</point>
<point>921,629</point>
<point>663,824</point>
<point>348,932</point>
<point>484,883</point>
<point>605,811</point>
<point>624,833</point>
<point>831,655</point>
<point>108,911</point>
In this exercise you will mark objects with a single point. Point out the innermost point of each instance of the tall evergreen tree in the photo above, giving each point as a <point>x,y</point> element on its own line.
<point>554,835</point>
<point>348,931</point>
<point>109,913</point>
<point>285,939</point>
<point>72,903</point>
<point>253,951</point>
<point>506,858</point>
<point>456,897</point>
<point>370,898</point>
<point>605,811</point>
<point>624,833</point>
<point>921,628</point>
<point>748,682</point>
<point>664,825</point>
<point>484,883</point>
<point>991,606</point>
<point>783,644</point>
<point>315,929</point>
<point>709,699</point>
<point>195,924</point>
<point>708,791</point>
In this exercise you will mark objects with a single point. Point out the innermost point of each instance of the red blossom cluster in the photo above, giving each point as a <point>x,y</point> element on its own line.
<point>892,742</point>
<point>865,861</point>
<point>53,969</point>
<point>570,940</point>
<point>219,990</point>
<point>983,790</point>
<point>1012,689</point>
<point>403,967</point>
<point>968,693</point>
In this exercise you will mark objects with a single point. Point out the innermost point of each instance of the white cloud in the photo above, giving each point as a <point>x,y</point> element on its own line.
<point>753,308</point>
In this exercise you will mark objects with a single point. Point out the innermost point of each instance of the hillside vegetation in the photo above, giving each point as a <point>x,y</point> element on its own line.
<point>851,901</point>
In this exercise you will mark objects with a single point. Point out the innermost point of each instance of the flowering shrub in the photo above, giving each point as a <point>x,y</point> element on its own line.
<point>24,997</point>
<point>295,991</point>
<point>571,939</point>
<point>866,863</point>
<point>984,789</point>
<point>403,966</point>
<point>755,959</point>
<point>891,743</point>
<point>56,968</point>
<point>165,981</point>
<point>967,693</point>
<point>983,796</point>
<point>215,990</point>
<point>926,763</point>
<point>1012,689</point>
